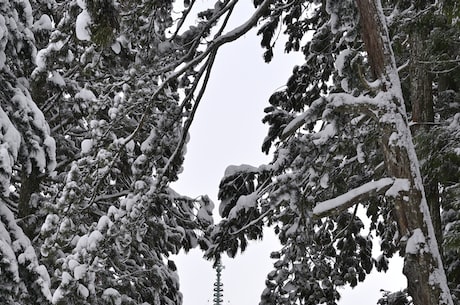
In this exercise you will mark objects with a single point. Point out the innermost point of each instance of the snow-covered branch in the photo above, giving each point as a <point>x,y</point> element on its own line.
<point>336,102</point>
<point>212,48</point>
<point>309,116</point>
<point>352,197</point>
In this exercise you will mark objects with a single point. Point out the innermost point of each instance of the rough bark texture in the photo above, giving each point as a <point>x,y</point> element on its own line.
<point>422,262</point>
<point>421,82</point>
<point>421,98</point>
<point>371,37</point>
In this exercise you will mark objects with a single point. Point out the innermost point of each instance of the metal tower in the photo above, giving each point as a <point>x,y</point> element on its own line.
<point>218,286</point>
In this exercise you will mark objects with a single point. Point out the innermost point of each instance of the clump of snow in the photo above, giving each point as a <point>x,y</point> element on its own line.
<point>86,95</point>
<point>43,24</point>
<point>205,211</point>
<point>112,296</point>
<point>57,295</point>
<point>340,60</point>
<point>104,223</point>
<point>82,243</point>
<point>86,146</point>
<point>147,146</point>
<point>244,202</point>
<point>235,169</point>
<point>43,153</point>
<point>56,78</point>
<point>27,255</point>
<point>113,212</point>
<point>16,249</point>
<point>93,240</point>
<point>360,153</point>
<point>72,264</point>
<point>82,26</point>
<point>113,112</point>
<point>50,148</point>
<point>416,242</point>
<point>9,259</point>
<point>340,21</point>
<point>400,185</point>
<point>116,47</point>
<point>324,135</point>
<point>79,271</point>
<point>83,291</point>
<point>10,141</point>
<point>324,181</point>
<point>66,278</point>
<point>40,59</point>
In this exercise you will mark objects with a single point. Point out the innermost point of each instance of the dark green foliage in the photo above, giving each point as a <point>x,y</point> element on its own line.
<point>333,150</point>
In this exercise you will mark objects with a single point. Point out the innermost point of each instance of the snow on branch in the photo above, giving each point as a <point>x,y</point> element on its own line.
<point>337,102</point>
<point>309,116</point>
<point>352,197</point>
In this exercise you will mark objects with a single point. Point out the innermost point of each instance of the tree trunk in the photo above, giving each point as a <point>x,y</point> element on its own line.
<point>26,210</point>
<point>421,98</point>
<point>423,268</point>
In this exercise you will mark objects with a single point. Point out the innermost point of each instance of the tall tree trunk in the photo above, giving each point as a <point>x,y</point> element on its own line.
<point>423,268</point>
<point>421,98</point>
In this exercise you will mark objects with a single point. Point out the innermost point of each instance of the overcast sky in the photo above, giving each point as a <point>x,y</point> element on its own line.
<point>228,131</point>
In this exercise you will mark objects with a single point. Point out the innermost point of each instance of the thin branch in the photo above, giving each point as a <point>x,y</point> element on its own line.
<point>448,61</point>
<point>182,19</point>
<point>214,45</point>
<point>262,216</point>
<point>210,52</point>
<point>404,66</point>
<point>197,41</point>
<point>111,196</point>
<point>188,122</point>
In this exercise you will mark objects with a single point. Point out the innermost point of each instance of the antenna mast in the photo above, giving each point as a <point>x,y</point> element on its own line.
<point>218,286</point>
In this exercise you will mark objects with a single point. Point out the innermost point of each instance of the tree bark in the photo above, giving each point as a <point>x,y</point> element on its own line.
<point>421,98</point>
<point>423,268</point>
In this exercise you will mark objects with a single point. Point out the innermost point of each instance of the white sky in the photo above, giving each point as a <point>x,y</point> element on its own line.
<point>228,131</point>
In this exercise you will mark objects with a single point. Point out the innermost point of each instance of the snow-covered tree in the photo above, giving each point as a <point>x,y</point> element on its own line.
<point>108,84</point>
<point>342,140</point>
<point>26,150</point>
<point>97,100</point>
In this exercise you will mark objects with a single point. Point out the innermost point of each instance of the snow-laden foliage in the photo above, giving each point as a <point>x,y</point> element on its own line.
<point>112,221</point>
<point>26,149</point>
<point>97,99</point>
<point>327,129</point>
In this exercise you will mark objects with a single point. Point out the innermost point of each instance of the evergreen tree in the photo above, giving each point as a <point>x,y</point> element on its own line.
<point>94,128</point>
<point>96,101</point>
<point>336,150</point>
